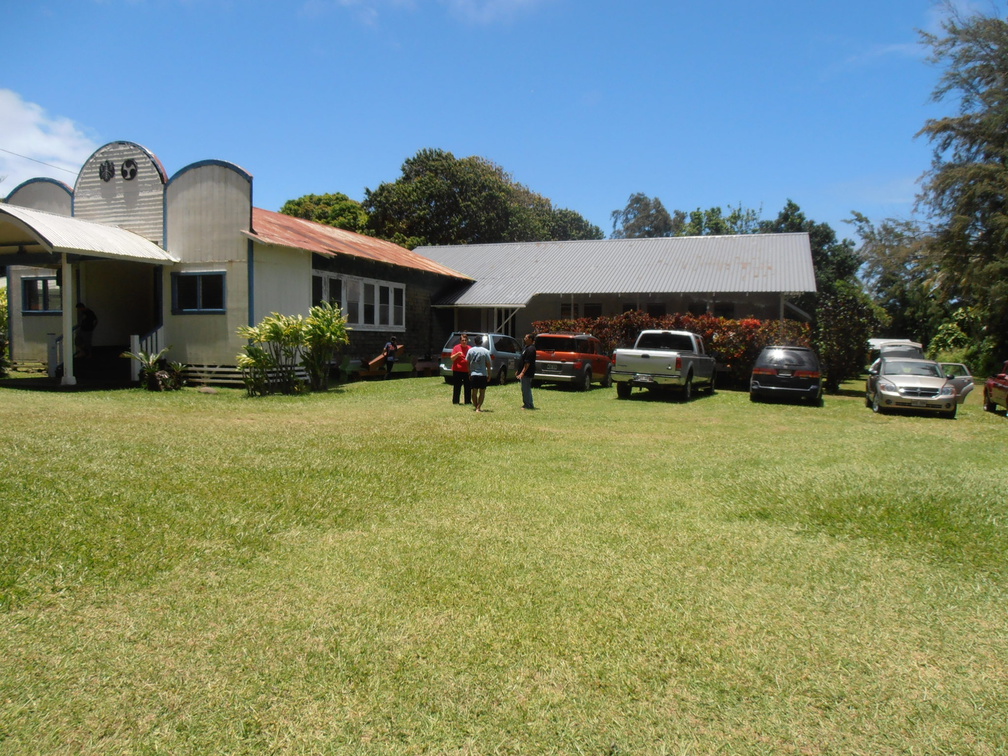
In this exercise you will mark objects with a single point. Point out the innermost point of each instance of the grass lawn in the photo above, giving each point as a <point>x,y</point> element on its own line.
<point>375,571</point>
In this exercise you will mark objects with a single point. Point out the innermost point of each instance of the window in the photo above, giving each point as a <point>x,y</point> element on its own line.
<point>327,288</point>
<point>41,295</point>
<point>724,309</point>
<point>656,310</point>
<point>367,304</point>
<point>593,310</point>
<point>568,310</point>
<point>197,292</point>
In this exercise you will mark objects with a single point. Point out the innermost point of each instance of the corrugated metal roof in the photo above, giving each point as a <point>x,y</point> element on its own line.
<point>60,233</point>
<point>509,275</point>
<point>286,231</point>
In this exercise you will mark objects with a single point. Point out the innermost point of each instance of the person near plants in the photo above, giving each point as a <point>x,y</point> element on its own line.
<point>391,347</point>
<point>526,370</point>
<point>460,371</point>
<point>478,358</point>
<point>87,321</point>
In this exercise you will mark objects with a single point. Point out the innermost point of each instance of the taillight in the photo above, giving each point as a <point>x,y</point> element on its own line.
<point>764,371</point>
<point>806,374</point>
<point>678,363</point>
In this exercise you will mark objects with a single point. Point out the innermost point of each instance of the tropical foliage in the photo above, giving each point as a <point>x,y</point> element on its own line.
<point>281,344</point>
<point>156,372</point>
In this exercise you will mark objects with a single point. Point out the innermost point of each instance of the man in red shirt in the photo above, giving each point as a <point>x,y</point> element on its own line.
<point>460,370</point>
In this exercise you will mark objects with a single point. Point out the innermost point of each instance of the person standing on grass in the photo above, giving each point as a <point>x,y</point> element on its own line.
<point>478,358</point>
<point>460,370</point>
<point>390,354</point>
<point>526,370</point>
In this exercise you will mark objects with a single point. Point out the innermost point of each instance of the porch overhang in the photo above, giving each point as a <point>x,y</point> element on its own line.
<point>36,238</point>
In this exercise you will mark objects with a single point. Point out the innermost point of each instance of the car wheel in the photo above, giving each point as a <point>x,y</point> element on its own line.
<point>710,386</point>
<point>585,383</point>
<point>607,379</point>
<point>875,406</point>
<point>989,406</point>
<point>753,397</point>
<point>502,376</point>
<point>951,414</point>
<point>687,389</point>
<point>623,390</point>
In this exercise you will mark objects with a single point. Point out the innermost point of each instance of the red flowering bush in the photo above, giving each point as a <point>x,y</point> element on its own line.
<point>735,344</point>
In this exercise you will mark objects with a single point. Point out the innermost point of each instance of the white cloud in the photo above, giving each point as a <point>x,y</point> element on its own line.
<point>34,144</point>
<point>482,12</point>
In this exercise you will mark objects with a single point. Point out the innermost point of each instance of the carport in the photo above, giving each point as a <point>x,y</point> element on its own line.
<point>34,238</point>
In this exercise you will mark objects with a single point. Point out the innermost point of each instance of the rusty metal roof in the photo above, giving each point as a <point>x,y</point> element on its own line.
<point>281,230</point>
<point>509,275</point>
<point>34,232</point>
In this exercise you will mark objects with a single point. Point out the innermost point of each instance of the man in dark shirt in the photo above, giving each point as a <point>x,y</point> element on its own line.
<point>526,371</point>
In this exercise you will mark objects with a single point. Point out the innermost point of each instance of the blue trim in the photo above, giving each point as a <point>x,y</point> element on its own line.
<point>221,163</point>
<point>251,283</point>
<point>44,180</point>
<point>199,275</point>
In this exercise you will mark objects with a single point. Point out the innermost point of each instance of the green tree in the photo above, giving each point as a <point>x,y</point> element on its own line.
<point>845,320</point>
<point>966,188</point>
<point>714,222</point>
<point>901,273</point>
<point>834,261</point>
<point>642,218</point>
<point>441,199</point>
<point>331,209</point>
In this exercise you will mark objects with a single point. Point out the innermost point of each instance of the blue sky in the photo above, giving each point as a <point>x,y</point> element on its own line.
<point>584,101</point>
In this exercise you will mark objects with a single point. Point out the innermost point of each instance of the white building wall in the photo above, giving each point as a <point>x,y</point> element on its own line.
<point>208,206</point>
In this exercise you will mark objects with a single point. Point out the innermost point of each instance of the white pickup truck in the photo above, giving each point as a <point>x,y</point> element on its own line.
<point>662,360</point>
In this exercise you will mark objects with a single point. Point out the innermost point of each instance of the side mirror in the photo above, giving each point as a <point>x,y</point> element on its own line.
<point>873,371</point>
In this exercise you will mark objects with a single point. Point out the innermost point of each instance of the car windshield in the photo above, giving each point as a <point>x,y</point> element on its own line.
<point>672,341</point>
<point>454,339</point>
<point>554,344</point>
<point>921,369</point>
<point>785,358</point>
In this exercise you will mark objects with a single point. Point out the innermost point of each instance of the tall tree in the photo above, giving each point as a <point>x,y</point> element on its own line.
<point>901,273</point>
<point>441,199</point>
<point>331,209</point>
<point>643,218</point>
<point>966,188</point>
<point>714,222</point>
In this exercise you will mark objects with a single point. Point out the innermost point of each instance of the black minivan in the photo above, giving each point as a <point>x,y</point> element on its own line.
<point>786,372</point>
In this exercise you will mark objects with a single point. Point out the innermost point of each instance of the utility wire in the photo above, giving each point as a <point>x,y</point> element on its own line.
<point>41,162</point>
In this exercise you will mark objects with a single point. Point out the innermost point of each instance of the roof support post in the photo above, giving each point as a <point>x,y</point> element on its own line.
<point>69,379</point>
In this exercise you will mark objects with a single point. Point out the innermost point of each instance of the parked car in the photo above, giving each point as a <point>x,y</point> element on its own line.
<point>960,375</point>
<point>787,372</point>
<point>906,384</point>
<point>576,359</point>
<point>505,352</point>
<point>996,390</point>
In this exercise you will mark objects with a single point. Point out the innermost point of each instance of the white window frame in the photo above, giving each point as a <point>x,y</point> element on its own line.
<point>387,318</point>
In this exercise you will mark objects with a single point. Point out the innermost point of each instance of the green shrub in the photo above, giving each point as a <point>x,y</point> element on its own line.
<point>157,373</point>
<point>282,343</point>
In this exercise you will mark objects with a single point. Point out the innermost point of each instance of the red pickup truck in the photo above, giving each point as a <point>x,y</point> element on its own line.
<point>996,390</point>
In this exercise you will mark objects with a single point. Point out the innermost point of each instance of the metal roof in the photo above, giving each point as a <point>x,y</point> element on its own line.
<point>281,230</point>
<point>509,275</point>
<point>34,232</point>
